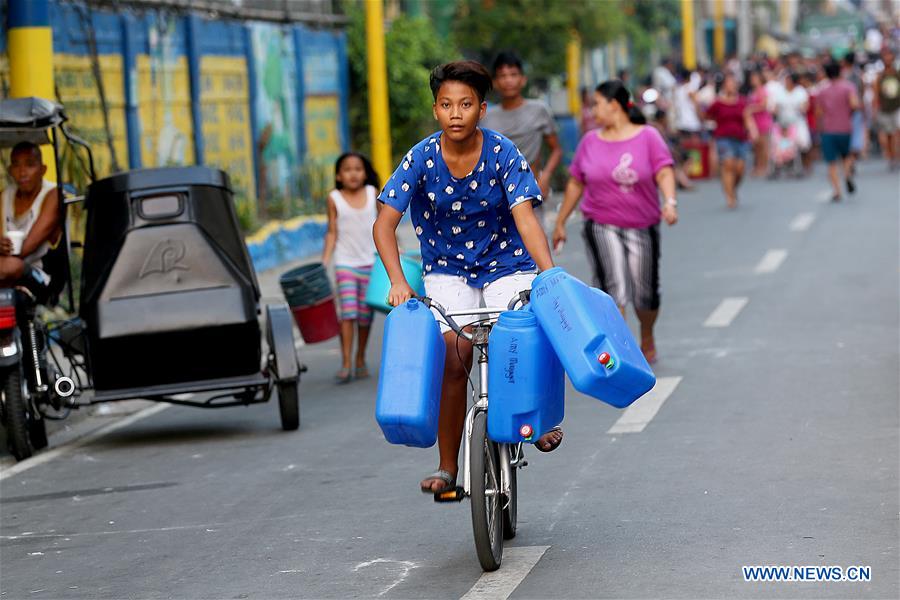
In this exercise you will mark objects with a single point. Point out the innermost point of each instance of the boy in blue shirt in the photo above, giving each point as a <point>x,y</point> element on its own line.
<point>471,195</point>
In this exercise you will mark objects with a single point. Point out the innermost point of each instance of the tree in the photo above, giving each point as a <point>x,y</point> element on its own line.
<point>413,49</point>
<point>536,30</point>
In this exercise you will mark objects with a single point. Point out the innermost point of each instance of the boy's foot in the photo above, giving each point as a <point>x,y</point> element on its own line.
<point>343,376</point>
<point>851,187</point>
<point>550,441</point>
<point>437,482</point>
<point>836,198</point>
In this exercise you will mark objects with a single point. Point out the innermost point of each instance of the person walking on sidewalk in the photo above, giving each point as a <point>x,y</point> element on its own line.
<point>352,210</point>
<point>527,123</point>
<point>734,126</point>
<point>835,104</point>
<point>886,105</point>
<point>620,171</point>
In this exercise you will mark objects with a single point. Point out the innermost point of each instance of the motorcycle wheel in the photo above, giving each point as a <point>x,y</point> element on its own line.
<point>17,421</point>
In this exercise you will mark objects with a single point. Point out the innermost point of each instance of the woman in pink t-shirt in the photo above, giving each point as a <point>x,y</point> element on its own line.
<point>620,170</point>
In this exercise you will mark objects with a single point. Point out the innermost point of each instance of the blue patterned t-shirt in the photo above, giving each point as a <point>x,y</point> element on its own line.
<point>465,225</point>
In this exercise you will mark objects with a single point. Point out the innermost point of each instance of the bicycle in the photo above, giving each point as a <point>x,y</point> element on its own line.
<point>489,474</point>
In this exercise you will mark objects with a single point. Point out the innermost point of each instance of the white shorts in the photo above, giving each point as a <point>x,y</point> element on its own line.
<point>453,293</point>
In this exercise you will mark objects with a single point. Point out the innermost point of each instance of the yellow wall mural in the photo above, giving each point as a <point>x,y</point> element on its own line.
<point>78,92</point>
<point>225,100</point>
<point>323,139</point>
<point>164,101</point>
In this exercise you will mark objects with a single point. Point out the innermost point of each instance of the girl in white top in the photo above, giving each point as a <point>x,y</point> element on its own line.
<point>351,213</point>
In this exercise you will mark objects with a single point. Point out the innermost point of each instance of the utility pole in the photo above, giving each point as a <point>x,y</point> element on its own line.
<point>30,51</point>
<point>688,45</point>
<point>379,114</point>
<point>573,69</point>
<point>719,31</point>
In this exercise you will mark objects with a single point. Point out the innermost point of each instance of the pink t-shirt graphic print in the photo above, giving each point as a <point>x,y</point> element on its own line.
<point>624,175</point>
<point>619,177</point>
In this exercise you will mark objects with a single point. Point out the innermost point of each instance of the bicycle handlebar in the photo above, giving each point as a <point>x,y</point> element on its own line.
<point>522,297</point>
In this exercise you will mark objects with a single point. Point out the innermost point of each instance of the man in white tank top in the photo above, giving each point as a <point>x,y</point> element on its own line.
<point>29,205</point>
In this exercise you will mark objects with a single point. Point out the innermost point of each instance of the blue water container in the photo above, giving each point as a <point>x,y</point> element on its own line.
<point>526,383</point>
<point>591,338</point>
<point>409,382</point>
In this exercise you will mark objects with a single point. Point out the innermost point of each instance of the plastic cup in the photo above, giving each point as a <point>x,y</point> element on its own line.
<point>17,238</point>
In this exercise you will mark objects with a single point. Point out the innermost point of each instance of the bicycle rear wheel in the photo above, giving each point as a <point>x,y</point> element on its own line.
<point>487,509</point>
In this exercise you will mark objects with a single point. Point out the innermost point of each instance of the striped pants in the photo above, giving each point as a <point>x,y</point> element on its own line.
<point>352,283</point>
<point>625,262</point>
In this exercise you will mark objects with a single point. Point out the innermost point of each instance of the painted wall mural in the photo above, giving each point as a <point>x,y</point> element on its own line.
<point>224,100</point>
<point>275,111</point>
<point>165,97</point>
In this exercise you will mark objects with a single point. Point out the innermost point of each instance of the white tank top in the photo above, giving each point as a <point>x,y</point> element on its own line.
<point>25,221</point>
<point>355,246</point>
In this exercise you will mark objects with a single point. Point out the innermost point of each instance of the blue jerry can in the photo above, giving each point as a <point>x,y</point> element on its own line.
<point>591,338</point>
<point>410,377</point>
<point>526,383</point>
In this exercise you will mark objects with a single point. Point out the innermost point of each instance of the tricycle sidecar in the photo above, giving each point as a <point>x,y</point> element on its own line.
<point>169,307</point>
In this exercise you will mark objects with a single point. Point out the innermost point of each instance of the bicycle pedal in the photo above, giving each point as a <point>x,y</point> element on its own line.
<point>456,494</point>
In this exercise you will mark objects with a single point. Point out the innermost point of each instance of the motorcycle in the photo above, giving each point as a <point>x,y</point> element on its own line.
<point>29,386</point>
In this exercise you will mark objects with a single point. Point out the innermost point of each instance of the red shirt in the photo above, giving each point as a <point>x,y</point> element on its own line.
<point>835,102</point>
<point>729,119</point>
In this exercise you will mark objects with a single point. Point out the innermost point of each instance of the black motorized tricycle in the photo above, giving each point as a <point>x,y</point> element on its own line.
<point>169,304</point>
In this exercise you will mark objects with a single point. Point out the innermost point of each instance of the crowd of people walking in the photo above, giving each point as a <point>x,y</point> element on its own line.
<point>775,116</point>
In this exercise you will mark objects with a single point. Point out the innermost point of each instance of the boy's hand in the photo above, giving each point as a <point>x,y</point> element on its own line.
<point>559,237</point>
<point>6,246</point>
<point>400,293</point>
<point>544,184</point>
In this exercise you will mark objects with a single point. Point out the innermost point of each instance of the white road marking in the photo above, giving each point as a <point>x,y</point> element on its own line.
<point>770,261</point>
<point>404,566</point>
<point>824,196</point>
<point>518,561</point>
<point>639,414</point>
<point>67,448</point>
<point>726,312</point>
<point>802,221</point>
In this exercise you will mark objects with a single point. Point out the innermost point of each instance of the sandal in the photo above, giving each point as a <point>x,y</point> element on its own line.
<point>553,446</point>
<point>343,376</point>
<point>445,476</point>
<point>361,372</point>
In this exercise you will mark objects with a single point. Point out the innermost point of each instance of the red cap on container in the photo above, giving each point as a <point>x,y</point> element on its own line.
<point>526,431</point>
<point>603,358</point>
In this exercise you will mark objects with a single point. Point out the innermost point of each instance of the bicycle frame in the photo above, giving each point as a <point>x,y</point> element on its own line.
<point>479,338</point>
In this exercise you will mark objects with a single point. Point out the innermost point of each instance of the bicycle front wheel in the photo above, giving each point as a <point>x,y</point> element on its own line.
<point>511,501</point>
<point>487,510</point>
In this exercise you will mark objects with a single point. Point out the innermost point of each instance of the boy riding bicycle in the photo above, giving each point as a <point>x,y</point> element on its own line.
<point>471,193</point>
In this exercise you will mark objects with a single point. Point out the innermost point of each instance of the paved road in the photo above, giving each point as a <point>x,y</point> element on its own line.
<point>775,442</point>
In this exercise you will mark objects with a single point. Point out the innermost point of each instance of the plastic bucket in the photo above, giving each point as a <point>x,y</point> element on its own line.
<point>317,322</point>
<point>698,166</point>
<point>380,283</point>
<point>306,285</point>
